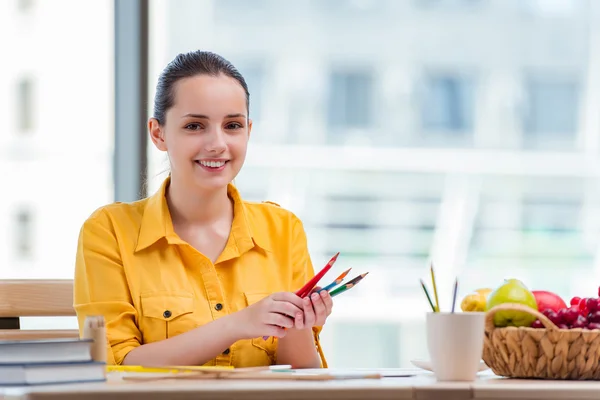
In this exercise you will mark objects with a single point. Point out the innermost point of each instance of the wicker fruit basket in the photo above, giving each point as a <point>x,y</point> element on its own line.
<point>540,353</point>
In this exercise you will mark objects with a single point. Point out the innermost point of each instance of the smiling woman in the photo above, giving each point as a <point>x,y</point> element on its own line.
<point>194,274</point>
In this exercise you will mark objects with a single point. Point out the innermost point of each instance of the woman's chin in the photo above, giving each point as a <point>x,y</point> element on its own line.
<point>212,183</point>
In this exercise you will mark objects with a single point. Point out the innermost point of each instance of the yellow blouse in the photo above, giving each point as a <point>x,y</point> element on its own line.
<point>151,285</point>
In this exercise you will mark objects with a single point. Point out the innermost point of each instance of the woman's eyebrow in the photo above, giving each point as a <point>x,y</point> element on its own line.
<point>201,116</point>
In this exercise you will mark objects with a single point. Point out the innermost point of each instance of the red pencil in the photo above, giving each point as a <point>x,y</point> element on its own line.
<point>305,290</point>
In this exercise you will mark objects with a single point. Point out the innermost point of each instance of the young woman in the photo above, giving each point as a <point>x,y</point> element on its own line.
<point>194,275</point>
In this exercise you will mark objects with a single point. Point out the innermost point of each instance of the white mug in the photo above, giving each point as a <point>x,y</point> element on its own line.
<point>455,344</point>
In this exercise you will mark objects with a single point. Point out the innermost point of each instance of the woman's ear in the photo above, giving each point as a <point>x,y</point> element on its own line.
<point>157,134</point>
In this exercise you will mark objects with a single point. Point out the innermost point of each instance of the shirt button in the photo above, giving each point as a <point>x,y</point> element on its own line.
<point>218,306</point>
<point>167,314</point>
<point>226,351</point>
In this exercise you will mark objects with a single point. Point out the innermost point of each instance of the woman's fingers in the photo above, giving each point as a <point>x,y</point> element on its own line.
<point>309,313</point>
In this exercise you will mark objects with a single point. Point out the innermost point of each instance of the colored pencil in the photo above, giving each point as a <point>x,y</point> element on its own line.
<point>357,278</point>
<point>305,290</point>
<point>348,285</point>
<point>427,294</point>
<point>435,294</point>
<point>454,294</point>
<point>337,281</point>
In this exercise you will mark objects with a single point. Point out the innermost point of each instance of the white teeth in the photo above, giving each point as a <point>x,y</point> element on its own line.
<point>212,164</point>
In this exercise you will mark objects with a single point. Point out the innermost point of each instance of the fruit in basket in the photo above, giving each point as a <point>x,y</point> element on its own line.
<point>548,300</point>
<point>475,301</point>
<point>512,291</point>
<point>580,322</point>
<point>592,305</point>
<point>594,316</point>
<point>537,324</point>
<point>569,315</point>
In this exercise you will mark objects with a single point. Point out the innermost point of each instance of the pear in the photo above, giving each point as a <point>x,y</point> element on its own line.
<point>475,301</point>
<point>512,291</point>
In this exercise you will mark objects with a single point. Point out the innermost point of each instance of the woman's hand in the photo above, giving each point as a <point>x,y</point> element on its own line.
<point>317,307</point>
<point>269,316</point>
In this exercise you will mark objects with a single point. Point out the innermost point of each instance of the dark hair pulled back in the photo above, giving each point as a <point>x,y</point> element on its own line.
<point>187,65</point>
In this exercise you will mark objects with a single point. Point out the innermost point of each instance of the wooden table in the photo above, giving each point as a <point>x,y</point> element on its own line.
<point>420,387</point>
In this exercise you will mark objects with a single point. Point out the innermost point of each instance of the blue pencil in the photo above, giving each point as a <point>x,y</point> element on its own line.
<point>337,281</point>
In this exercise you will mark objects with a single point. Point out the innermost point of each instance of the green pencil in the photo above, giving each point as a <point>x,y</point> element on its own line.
<point>427,294</point>
<point>348,285</point>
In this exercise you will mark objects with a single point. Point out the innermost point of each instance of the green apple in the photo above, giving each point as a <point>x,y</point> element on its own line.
<point>512,291</point>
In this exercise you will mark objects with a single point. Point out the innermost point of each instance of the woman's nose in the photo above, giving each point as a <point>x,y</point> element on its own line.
<point>216,142</point>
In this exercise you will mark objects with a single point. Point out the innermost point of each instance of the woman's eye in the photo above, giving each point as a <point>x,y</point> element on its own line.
<point>193,127</point>
<point>233,125</point>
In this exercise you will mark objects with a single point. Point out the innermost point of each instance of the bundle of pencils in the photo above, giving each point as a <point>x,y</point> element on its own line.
<point>309,287</point>
<point>436,307</point>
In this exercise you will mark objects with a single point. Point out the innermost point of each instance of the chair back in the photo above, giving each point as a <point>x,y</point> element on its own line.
<point>35,298</point>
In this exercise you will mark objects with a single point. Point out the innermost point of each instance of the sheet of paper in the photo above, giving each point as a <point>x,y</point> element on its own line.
<point>384,372</point>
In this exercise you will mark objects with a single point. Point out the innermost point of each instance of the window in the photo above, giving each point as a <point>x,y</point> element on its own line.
<point>59,85</point>
<point>25,114</point>
<point>24,237</point>
<point>448,104</point>
<point>350,99</point>
<point>350,6</point>
<point>254,79</point>
<point>552,107</point>
<point>461,4</point>
<point>349,334</point>
<point>394,132</point>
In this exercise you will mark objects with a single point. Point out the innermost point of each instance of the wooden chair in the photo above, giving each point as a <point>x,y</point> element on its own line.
<point>35,298</point>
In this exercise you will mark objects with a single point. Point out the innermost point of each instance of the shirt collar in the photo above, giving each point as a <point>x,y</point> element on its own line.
<point>157,224</point>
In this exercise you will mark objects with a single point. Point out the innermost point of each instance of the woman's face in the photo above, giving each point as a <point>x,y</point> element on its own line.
<point>206,131</point>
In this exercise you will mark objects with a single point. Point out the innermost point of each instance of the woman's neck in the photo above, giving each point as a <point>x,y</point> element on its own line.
<point>193,208</point>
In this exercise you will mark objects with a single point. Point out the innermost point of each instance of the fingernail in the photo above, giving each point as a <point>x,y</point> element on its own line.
<point>315,296</point>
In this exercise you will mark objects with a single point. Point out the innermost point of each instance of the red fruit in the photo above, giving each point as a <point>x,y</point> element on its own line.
<point>554,317</point>
<point>537,324</point>
<point>547,312</point>
<point>563,326</point>
<point>591,304</point>
<point>579,310</point>
<point>593,325</point>
<point>575,300</point>
<point>582,305</point>
<point>580,322</point>
<point>568,315</point>
<point>546,299</point>
<point>598,291</point>
<point>594,316</point>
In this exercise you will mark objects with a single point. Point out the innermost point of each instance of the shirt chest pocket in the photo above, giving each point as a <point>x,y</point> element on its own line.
<point>165,315</point>
<point>267,346</point>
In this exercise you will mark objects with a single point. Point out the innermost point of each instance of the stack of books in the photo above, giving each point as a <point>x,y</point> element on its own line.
<point>39,362</point>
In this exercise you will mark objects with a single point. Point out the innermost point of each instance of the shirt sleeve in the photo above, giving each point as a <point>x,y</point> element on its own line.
<point>100,287</point>
<point>303,272</point>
